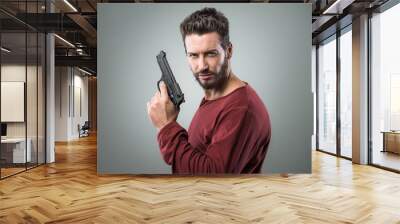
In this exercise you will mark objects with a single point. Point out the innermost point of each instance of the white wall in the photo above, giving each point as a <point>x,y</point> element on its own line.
<point>17,73</point>
<point>79,112</point>
<point>10,73</point>
<point>62,81</point>
<point>69,84</point>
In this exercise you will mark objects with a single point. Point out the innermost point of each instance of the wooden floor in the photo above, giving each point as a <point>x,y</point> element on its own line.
<point>5,172</point>
<point>70,191</point>
<point>387,159</point>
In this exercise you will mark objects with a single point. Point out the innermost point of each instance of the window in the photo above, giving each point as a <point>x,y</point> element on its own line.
<point>385,88</point>
<point>346,93</point>
<point>327,95</point>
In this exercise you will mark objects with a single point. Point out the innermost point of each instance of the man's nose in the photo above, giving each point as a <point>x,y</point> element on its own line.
<point>203,65</point>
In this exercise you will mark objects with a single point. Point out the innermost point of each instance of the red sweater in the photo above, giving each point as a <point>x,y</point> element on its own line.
<point>228,135</point>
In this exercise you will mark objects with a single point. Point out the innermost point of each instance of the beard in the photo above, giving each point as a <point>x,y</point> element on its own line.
<point>217,80</point>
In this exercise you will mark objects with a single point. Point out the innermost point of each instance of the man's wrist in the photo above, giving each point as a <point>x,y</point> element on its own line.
<point>163,126</point>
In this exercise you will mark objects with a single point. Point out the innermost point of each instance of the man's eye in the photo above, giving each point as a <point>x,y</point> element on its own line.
<point>192,56</point>
<point>212,54</point>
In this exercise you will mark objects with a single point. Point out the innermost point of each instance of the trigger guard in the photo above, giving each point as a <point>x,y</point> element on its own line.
<point>158,85</point>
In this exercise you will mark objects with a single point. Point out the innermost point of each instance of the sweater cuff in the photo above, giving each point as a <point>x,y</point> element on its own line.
<point>169,130</point>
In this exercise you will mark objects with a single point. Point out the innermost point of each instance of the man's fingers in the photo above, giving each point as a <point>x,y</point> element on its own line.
<point>163,89</point>
<point>154,98</point>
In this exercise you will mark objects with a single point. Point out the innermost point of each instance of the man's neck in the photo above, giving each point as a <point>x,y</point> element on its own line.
<point>231,84</point>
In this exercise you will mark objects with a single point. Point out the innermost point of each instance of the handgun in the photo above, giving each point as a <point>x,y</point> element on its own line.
<point>173,89</point>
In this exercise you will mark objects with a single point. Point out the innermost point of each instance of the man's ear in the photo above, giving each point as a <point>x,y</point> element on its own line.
<point>229,51</point>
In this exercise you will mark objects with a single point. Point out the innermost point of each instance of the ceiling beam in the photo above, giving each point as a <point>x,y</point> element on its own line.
<point>85,61</point>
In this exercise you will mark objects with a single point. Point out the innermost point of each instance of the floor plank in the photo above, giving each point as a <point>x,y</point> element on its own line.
<point>70,191</point>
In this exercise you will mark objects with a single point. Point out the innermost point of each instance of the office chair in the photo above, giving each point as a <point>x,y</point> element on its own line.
<point>84,130</point>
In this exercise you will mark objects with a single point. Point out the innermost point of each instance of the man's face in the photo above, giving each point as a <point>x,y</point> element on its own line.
<point>207,59</point>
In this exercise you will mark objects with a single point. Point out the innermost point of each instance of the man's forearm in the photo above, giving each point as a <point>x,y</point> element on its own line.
<point>168,145</point>
<point>177,151</point>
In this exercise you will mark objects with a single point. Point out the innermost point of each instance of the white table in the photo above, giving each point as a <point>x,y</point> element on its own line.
<point>19,149</point>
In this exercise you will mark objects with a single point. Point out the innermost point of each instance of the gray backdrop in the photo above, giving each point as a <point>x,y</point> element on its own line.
<point>272,52</point>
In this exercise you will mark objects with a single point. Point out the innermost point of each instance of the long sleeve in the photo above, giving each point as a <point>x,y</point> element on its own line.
<point>231,135</point>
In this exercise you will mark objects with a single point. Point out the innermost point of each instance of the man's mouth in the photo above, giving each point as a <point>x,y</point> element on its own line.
<point>205,76</point>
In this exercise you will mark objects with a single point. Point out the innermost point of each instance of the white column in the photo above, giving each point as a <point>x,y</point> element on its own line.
<point>360,90</point>
<point>50,91</point>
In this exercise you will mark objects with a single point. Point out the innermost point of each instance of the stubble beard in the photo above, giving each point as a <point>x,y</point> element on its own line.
<point>219,79</point>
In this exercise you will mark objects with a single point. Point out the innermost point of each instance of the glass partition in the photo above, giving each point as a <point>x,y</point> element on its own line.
<point>22,88</point>
<point>13,94</point>
<point>41,87</point>
<point>32,95</point>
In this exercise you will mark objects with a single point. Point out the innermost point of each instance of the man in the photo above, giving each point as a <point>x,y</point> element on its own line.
<point>230,131</point>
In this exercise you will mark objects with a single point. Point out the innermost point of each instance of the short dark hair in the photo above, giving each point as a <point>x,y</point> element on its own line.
<point>206,20</point>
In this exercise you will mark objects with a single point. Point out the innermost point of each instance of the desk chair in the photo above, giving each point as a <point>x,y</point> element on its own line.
<point>84,130</point>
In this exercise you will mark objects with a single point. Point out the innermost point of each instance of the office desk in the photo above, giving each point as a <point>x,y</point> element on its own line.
<point>391,141</point>
<point>13,150</point>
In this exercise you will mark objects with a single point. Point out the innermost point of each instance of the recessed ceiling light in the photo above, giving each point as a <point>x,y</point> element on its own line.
<point>337,7</point>
<point>64,40</point>
<point>5,49</point>
<point>84,71</point>
<point>70,5</point>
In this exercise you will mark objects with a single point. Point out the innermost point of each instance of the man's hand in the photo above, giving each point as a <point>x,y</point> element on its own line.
<point>160,109</point>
